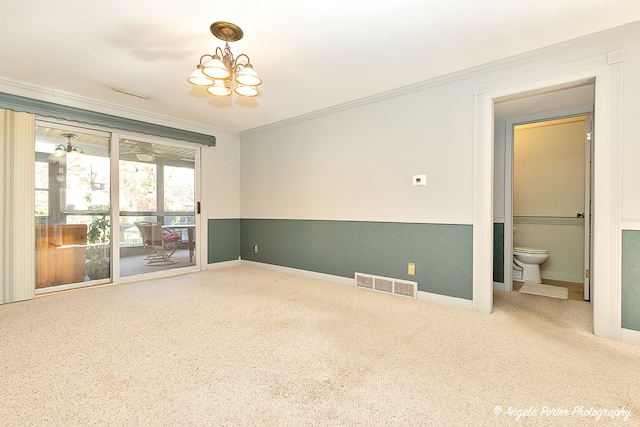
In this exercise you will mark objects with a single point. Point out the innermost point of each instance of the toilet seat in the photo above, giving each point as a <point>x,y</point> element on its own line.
<point>523,250</point>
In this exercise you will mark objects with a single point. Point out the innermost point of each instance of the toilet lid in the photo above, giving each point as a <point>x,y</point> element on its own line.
<point>530,250</point>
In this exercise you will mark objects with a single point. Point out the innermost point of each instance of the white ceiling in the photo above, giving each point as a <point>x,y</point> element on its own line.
<point>310,55</point>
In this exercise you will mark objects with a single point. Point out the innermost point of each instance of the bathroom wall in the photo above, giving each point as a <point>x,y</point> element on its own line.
<point>548,194</point>
<point>564,241</point>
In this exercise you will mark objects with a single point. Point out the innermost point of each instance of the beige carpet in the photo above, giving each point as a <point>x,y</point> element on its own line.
<point>545,290</point>
<point>249,347</point>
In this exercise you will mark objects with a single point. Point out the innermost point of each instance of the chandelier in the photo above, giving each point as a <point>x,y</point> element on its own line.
<point>61,150</point>
<point>220,72</point>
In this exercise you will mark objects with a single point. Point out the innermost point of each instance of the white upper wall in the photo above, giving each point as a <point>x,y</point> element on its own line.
<point>357,163</point>
<point>549,168</point>
<point>220,166</point>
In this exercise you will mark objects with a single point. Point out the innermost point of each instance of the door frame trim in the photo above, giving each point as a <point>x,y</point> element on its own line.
<point>607,72</point>
<point>116,274</point>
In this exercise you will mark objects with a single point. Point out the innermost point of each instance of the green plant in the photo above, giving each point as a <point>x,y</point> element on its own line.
<point>98,261</point>
<point>99,230</point>
<point>98,258</point>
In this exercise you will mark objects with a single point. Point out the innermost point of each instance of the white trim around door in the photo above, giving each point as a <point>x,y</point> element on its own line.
<point>607,72</point>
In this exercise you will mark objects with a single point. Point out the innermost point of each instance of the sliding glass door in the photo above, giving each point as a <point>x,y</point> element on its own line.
<point>157,206</point>
<point>83,233</point>
<point>73,210</point>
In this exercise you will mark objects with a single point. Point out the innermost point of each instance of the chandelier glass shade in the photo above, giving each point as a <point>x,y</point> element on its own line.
<point>223,74</point>
<point>62,150</point>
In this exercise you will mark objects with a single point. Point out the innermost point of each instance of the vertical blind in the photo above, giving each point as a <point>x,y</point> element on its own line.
<point>17,231</point>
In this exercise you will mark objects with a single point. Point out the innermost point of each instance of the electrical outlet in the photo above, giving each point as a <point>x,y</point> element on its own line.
<point>419,180</point>
<point>255,248</point>
<point>411,269</point>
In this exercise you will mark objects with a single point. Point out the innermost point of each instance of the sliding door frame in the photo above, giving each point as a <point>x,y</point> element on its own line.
<point>114,153</point>
<point>115,206</point>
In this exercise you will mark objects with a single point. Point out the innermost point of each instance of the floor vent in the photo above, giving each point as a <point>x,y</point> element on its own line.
<point>385,284</point>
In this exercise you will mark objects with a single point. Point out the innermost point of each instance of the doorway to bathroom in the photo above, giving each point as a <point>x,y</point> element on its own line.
<point>521,95</point>
<point>551,204</point>
<point>543,187</point>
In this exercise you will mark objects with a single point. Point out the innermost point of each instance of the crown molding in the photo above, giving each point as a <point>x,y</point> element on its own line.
<point>41,93</point>
<point>552,51</point>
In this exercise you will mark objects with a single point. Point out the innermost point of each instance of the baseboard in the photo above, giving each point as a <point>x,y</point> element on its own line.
<point>498,286</point>
<point>223,264</point>
<point>445,300</point>
<point>630,336</point>
<point>423,296</point>
<point>304,273</point>
<point>563,277</point>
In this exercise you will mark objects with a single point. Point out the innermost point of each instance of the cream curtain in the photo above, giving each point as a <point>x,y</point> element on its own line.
<point>17,206</point>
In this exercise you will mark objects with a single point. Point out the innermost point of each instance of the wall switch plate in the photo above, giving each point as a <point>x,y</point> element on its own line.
<point>411,269</point>
<point>419,180</point>
<point>255,248</point>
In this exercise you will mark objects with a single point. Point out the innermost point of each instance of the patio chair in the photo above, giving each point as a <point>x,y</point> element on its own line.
<point>162,241</point>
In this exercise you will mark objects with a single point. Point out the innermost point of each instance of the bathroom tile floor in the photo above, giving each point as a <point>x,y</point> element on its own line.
<point>576,290</point>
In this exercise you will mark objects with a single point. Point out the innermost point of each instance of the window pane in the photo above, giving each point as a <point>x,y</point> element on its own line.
<point>138,189</point>
<point>87,183</point>
<point>179,189</point>
<point>42,175</point>
<point>42,203</point>
<point>72,207</point>
<point>157,193</point>
<point>42,186</point>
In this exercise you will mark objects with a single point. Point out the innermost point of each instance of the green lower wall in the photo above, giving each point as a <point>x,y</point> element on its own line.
<point>498,252</point>
<point>631,279</point>
<point>224,240</point>
<point>442,253</point>
<point>630,272</point>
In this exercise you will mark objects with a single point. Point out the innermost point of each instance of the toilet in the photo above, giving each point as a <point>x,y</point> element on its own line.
<point>526,263</point>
